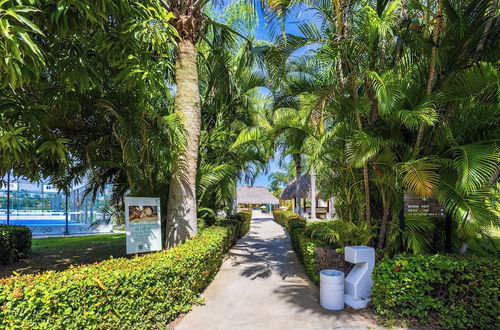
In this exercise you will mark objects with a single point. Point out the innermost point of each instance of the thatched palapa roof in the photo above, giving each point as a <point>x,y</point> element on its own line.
<point>305,188</point>
<point>255,195</point>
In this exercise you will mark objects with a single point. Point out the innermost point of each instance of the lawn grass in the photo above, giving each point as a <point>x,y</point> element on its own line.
<point>75,242</point>
<point>58,253</point>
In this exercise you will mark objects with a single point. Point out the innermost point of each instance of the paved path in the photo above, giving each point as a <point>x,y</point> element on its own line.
<point>262,285</point>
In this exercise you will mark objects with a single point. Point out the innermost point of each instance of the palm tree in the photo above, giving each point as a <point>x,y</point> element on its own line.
<point>191,24</point>
<point>405,73</point>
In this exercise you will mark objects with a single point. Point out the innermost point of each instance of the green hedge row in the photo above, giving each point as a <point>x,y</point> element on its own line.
<point>284,218</point>
<point>147,291</point>
<point>15,243</point>
<point>241,222</point>
<point>304,246</point>
<point>245,217</point>
<point>448,291</point>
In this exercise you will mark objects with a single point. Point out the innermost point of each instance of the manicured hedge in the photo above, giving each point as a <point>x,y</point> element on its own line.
<point>245,217</point>
<point>304,246</point>
<point>15,243</point>
<point>306,251</point>
<point>241,221</point>
<point>147,291</point>
<point>448,291</point>
<point>284,217</point>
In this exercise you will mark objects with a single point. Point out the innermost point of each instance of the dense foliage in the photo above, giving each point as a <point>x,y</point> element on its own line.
<point>286,218</point>
<point>444,290</point>
<point>88,94</point>
<point>15,243</point>
<point>146,291</point>
<point>244,217</point>
<point>448,291</point>
<point>389,99</point>
<point>380,100</point>
<point>340,233</point>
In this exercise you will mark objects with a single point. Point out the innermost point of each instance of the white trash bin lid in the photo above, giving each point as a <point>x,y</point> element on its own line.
<point>331,276</point>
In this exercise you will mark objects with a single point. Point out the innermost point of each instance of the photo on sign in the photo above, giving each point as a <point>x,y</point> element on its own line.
<point>146,214</point>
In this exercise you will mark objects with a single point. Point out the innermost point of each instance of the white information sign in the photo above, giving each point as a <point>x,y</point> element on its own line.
<point>143,221</point>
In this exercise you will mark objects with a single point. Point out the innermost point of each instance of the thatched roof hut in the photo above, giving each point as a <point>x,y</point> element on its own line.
<point>255,195</point>
<point>305,188</point>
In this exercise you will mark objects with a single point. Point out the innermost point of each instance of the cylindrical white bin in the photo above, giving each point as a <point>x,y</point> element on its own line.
<point>331,289</point>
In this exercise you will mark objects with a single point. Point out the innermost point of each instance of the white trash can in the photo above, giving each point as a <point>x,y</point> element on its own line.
<point>331,289</point>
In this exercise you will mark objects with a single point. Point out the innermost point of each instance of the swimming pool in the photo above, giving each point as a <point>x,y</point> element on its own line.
<point>58,226</point>
<point>37,222</point>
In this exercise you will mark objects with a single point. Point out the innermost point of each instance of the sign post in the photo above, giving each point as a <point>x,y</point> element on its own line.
<point>143,222</point>
<point>8,198</point>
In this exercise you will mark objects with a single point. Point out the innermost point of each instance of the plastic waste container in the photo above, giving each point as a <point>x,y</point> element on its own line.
<point>331,289</point>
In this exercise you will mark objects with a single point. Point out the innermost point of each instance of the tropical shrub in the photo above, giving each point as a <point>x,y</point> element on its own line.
<point>417,236</point>
<point>304,246</point>
<point>306,251</point>
<point>15,243</point>
<point>245,217</point>
<point>448,291</point>
<point>296,223</point>
<point>284,217</point>
<point>145,291</point>
<point>340,233</point>
<point>240,221</point>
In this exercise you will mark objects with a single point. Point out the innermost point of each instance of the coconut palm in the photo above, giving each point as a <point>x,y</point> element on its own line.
<point>192,24</point>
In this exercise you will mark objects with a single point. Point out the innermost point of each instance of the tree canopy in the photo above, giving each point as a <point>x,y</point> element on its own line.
<point>164,98</point>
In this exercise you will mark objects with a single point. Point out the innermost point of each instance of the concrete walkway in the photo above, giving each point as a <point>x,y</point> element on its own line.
<point>262,285</point>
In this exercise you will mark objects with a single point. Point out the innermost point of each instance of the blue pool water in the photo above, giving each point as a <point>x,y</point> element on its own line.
<point>57,226</point>
<point>41,222</point>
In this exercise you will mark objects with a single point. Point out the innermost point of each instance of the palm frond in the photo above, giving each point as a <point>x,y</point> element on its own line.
<point>420,176</point>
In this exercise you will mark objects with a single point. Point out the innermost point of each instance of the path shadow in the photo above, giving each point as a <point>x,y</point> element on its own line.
<point>302,298</point>
<point>262,257</point>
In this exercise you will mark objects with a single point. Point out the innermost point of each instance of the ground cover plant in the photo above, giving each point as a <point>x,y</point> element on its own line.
<point>453,292</point>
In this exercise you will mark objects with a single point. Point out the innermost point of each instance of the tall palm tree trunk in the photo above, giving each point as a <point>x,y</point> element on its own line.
<point>313,193</point>
<point>386,202</point>
<point>366,178</point>
<point>366,185</point>
<point>182,216</point>
<point>298,174</point>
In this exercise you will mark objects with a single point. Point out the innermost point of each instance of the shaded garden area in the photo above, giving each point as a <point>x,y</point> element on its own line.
<point>59,253</point>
